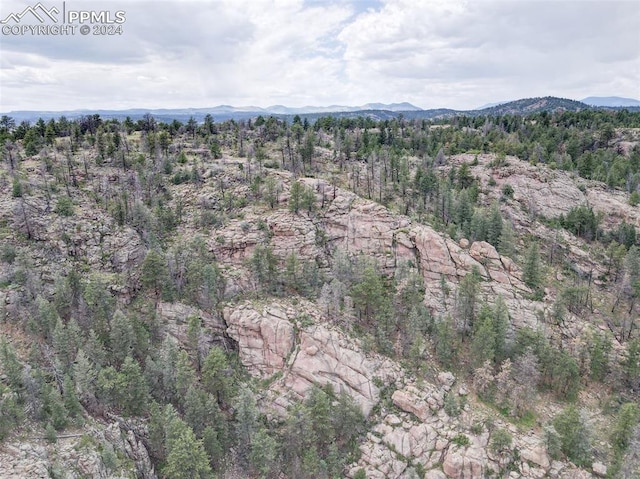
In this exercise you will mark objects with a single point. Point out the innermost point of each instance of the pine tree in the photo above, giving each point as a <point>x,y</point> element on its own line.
<point>494,226</point>
<point>185,374</point>
<point>631,363</point>
<point>599,348</point>
<point>100,303</point>
<point>264,452</point>
<point>507,242</point>
<point>466,301</point>
<point>574,436</point>
<point>295,196</point>
<point>121,337</point>
<point>626,421</point>
<point>70,398</point>
<point>445,339</point>
<point>246,421</point>
<point>11,411</point>
<point>155,275</point>
<point>532,274</point>
<point>501,327</point>
<point>193,339</point>
<point>126,388</point>
<point>483,343</point>
<point>215,376</point>
<point>186,457</point>
<point>85,376</point>
<point>156,438</point>
<point>319,405</point>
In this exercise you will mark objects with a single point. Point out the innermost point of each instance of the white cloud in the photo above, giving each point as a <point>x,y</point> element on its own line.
<point>433,53</point>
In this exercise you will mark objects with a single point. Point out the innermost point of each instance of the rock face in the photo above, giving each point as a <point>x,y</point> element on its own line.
<point>265,338</point>
<point>547,192</point>
<point>77,456</point>
<point>275,338</point>
<point>288,233</point>
<point>421,432</point>
<point>294,347</point>
<point>361,226</point>
<point>175,317</point>
<point>464,463</point>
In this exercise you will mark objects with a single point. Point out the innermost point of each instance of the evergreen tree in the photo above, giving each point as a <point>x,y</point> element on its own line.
<point>121,337</point>
<point>507,242</point>
<point>185,374</point>
<point>264,452</point>
<point>216,377</point>
<point>264,265</point>
<point>371,296</point>
<point>11,411</point>
<point>295,196</point>
<point>186,457</point>
<point>70,398</point>
<point>501,327</point>
<point>466,301</point>
<point>445,341</point>
<point>574,436</point>
<point>494,226</point>
<point>85,376</point>
<point>599,348</point>
<point>626,421</point>
<point>532,271</point>
<point>155,275</point>
<point>483,343</point>
<point>246,421</point>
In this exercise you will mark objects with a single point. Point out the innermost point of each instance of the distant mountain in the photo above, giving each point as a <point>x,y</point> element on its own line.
<point>377,111</point>
<point>489,105</point>
<point>614,101</point>
<point>391,107</point>
<point>219,113</point>
<point>528,106</point>
<point>283,110</point>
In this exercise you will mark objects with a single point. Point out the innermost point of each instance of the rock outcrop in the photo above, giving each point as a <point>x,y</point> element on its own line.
<point>420,431</point>
<point>294,341</point>
<point>77,455</point>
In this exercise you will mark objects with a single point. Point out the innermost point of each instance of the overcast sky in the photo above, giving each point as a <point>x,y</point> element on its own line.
<point>431,53</point>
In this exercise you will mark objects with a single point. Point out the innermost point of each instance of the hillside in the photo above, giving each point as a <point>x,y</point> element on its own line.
<point>345,298</point>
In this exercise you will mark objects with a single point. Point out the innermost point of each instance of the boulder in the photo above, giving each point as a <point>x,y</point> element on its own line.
<point>464,463</point>
<point>410,401</point>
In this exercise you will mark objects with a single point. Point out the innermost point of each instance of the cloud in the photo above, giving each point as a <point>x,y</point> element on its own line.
<point>455,53</point>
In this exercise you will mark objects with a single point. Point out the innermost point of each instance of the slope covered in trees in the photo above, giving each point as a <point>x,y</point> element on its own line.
<point>137,259</point>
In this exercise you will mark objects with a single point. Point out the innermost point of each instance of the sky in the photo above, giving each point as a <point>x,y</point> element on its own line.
<point>432,53</point>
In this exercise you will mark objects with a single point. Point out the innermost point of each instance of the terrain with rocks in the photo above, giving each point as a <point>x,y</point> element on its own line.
<point>246,291</point>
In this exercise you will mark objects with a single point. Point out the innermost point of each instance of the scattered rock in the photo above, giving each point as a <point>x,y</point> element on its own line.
<point>599,469</point>
<point>446,379</point>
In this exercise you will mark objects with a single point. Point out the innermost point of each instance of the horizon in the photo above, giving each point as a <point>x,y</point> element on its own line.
<point>267,109</point>
<point>299,53</point>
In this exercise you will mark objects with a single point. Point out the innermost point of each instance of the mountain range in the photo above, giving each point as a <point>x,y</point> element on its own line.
<point>610,101</point>
<point>378,111</point>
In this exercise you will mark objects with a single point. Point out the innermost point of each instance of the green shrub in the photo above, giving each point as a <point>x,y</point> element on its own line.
<point>50,434</point>
<point>16,191</point>
<point>507,191</point>
<point>361,474</point>
<point>500,440</point>
<point>64,206</point>
<point>461,440</point>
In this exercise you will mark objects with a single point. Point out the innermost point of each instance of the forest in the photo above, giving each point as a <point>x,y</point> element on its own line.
<point>106,225</point>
